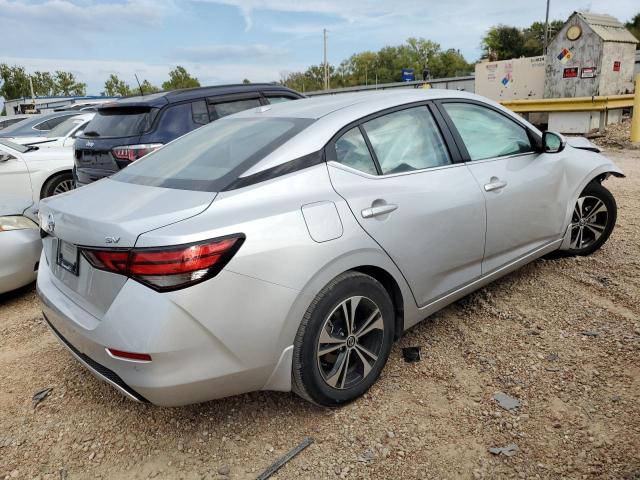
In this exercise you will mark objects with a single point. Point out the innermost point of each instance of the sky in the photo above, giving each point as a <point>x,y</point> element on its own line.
<point>225,41</point>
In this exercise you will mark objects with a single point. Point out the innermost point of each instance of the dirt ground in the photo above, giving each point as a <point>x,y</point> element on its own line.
<point>562,336</point>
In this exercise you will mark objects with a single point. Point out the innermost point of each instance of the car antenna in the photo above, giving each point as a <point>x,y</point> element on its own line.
<point>139,86</point>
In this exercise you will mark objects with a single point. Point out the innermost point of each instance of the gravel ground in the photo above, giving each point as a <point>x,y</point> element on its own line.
<point>562,336</point>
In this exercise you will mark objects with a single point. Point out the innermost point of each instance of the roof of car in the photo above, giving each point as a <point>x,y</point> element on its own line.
<point>161,98</point>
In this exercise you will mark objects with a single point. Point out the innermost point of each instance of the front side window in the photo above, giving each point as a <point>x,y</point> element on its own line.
<point>407,140</point>
<point>487,133</point>
<point>351,150</point>
<point>229,108</point>
<point>213,156</point>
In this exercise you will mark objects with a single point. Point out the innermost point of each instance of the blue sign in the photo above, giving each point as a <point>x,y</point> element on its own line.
<point>408,75</point>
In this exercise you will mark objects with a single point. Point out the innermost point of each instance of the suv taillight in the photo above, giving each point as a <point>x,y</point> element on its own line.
<point>131,153</point>
<point>168,268</point>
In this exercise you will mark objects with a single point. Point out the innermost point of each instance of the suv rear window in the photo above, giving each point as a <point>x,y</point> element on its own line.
<point>211,157</point>
<point>121,122</point>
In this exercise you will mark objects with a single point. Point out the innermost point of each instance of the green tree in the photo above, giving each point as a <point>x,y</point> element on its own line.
<point>114,87</point>
<point>15,82</point>
<point>634,27</point>
<point>246,81</point>
<point>505,42</point>
<point>66,84</point>
<point>147,87</point>
<point>43,83</point>
<point>180,78</point>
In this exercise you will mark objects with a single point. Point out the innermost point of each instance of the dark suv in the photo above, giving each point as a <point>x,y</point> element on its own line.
<point>127,129</point>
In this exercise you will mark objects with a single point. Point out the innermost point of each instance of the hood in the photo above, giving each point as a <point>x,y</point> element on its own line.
<point>583,144</point>
<point>111,213</point>
<point>14,204</point>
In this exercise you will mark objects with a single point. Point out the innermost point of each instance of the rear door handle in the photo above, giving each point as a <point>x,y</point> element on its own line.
<point>494,184</point>
<point>379,210</point>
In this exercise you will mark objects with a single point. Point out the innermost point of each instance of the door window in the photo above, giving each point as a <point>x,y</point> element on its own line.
<point>407,140</point>
<point>199,112</point>
<point>278,99</point>
<point>229,108</point>
<point>351,150</point>
<point>487,133</point>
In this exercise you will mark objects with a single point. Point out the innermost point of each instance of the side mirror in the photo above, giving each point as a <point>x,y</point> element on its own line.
<point>553,142</point>
<point>78,133</point>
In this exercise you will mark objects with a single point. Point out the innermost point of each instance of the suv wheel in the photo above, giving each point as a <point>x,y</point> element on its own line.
<point>60,183</point>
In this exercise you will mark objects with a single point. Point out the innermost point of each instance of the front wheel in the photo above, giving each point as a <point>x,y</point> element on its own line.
<point>343,341</point>
<point>594,216</point>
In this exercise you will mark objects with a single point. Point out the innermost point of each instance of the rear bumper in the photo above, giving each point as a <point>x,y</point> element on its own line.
<point>19,255</point>
<point>194,359</point>
<point>84,176</point>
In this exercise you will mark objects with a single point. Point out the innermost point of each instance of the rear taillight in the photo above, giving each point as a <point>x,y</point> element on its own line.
<point>168,268</point>
<point>131,153</point>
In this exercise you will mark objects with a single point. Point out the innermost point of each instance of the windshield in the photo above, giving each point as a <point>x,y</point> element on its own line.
<point>121,122</point>
<point>211,157</point>
<point>65,128</point>
<point>15,146</point>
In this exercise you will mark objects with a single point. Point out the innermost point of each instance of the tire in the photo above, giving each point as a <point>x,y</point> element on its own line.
<point>59,183</point>
<point>589,231</point>
<point>323,379</point>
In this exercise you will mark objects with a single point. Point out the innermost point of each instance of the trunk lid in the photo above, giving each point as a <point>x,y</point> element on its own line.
<point>112,214</point>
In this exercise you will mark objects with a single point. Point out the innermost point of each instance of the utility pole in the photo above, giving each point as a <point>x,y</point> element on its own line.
<point>546,30</point>
<point>326,66</point>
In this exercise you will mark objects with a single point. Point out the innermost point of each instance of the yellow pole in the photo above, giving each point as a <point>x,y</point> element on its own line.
<point>635,120</point>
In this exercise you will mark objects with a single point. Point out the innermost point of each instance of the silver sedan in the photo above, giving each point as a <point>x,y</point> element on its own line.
<point>287,246</point>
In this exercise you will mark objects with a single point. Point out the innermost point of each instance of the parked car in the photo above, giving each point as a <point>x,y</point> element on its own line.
<point>20,243</point>
<point>34,172</point>
<point>63,135</point>
<point>288,246</point>
<point>36,125</point>
<point>8,121</point>
<point>125,130</point>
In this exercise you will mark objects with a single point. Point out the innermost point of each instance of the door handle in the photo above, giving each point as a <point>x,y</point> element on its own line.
<point>494,184</point>
<point>379,210</point>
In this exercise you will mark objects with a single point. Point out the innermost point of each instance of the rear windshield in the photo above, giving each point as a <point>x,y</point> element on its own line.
<point>211,157</point>
<point>121,122</point>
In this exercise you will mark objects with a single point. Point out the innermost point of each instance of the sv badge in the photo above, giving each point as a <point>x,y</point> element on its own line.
<point>111,239</point>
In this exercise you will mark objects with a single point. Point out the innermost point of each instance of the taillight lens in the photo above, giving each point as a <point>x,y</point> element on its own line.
<point>131,153</point>
<point>168,268</point>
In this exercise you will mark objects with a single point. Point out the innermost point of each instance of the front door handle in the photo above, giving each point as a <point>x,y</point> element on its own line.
<point>379,210</point>
<point>494,184</point>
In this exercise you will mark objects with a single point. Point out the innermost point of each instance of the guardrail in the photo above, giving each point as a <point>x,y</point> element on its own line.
<point>464,83</point>
<point>578,104</point>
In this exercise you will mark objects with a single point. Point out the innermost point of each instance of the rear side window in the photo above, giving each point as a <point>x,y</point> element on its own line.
<point>278,99</point>
<point>199,112</point>
<point>407,140</point>
<point>210,158</point>
<point>121,122</point>
<point>175,121</point>
<point>487,133</point>
<point>351,150</point>
<point>229,108</point>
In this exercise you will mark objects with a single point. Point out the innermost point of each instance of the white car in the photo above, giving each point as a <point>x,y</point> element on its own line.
<point>35,172</point>
<point>63,135</point>
<point>20,243</point>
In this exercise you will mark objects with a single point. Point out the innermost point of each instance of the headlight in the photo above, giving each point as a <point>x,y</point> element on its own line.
<point>16,222</point>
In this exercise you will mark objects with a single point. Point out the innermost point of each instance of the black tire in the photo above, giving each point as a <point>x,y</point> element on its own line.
<point>606,219</point>
<point>308,373</point>
<point>59,183</point>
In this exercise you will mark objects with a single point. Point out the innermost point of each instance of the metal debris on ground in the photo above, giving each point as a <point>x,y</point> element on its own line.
<point>508,451</point>
<point>590,333</point>
<point>40,395</point>
<point>412,354</point>
<point>506,401</point>
<point>275,466</point>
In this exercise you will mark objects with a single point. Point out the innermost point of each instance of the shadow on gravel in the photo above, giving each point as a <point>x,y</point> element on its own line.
<point>6,298</point>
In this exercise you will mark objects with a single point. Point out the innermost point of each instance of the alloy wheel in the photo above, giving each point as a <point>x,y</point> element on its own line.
<point>589,221</point>
<point>350,342</point>
<point>63,186</point>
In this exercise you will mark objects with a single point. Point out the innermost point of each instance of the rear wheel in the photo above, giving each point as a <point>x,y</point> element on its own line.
<point>343,341</point>
<point>594,216</point>
<point>60,183</point>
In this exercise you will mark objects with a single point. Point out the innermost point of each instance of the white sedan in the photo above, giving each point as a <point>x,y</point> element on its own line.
<point>62,135</point>
<point>20,242</point>
<point>35,172</point>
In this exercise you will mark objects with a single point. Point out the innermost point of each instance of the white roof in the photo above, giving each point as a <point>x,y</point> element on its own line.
<point>609,28</point>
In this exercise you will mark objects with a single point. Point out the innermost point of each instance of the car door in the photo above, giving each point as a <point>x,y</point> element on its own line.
<point>14,174</point>
<point>406,190</point>
<point>525,190</point>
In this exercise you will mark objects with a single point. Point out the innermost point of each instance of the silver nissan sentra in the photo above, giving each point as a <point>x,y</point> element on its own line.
<point>286,247</point>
